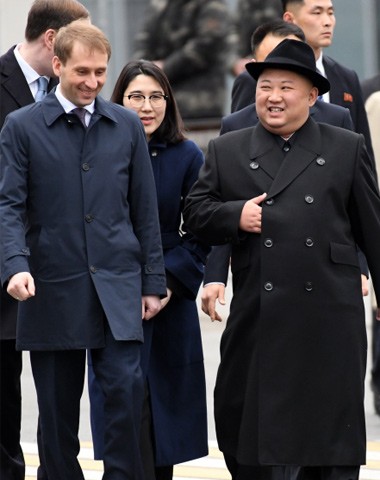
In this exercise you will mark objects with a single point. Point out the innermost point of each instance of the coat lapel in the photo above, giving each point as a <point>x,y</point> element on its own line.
<point>264,151</point>
<point>305,149</point>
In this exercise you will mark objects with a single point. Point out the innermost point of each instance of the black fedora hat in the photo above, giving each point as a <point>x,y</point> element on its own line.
<point>293,55</point>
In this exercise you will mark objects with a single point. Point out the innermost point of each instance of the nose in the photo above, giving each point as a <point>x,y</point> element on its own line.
<point>327,19</point>
<point>91,81</point>
<point>275,95</point>
<point>146,104</point>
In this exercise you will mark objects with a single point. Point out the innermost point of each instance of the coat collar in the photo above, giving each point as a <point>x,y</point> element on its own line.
<point>13,79</point>
<point>305,149</point>
<point>52,109</point>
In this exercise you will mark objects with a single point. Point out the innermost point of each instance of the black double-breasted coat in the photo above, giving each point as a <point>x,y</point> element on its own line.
<point>290,384</point>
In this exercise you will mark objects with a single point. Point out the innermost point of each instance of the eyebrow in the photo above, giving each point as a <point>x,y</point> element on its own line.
<point>151,93</point>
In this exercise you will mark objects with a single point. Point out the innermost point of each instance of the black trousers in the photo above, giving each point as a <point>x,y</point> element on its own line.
<point>12,464</point>
<point>245,472</point>
<point>59,379</point>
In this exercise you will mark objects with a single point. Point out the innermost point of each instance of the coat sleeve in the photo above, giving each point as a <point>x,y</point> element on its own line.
<point>144,215</point>
<point>206,214</point>
<point>13,198</point>
<point>364,211</point>
<point>184,263</point>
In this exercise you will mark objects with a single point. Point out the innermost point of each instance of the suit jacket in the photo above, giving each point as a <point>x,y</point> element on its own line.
<point>218,260</point>
<point>346,91</point>
<point>14,93</point>
<point>243,91</point>
<point>297,308</point>
<point>78,209</point>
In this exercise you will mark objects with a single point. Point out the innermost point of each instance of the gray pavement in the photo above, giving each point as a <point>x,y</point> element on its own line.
<point>211,332</point>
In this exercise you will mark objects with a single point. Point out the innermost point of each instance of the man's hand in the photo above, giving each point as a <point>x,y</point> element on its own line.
<point>165,301</point>
<point>151,305</point>
<point>250,219</point>
<point>21,286</point>
<point>210,293</point>
<point>365,287</point>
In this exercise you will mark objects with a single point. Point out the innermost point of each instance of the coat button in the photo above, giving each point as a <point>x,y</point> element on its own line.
<point>149,269</point>
<point>268,286</point>
<point>89,218</point>
<point>309,286</point>
<point>24,250</point>
<point>93,269</point>
<point>309,242</point>
<point>85,167</point>
<point>309,199</point>
<point>254,165</point>
<point>269,202</point>
<point>320,161</point>
<point>268,242</point>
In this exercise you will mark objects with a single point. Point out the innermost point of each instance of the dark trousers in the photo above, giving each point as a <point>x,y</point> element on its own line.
<point>12,465</point>
<point>246,472</point>
<point>59,379</point>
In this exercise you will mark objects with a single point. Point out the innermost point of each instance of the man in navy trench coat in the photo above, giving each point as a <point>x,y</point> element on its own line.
<point>81,252</point>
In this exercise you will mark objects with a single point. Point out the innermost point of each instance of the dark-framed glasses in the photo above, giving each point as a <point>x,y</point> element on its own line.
<point>156,99</point>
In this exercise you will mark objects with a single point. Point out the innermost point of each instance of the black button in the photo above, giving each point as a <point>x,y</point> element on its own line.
<point>268,286</point>
<point>268,242</point>
<point>270,201</point>
<point>309,199</point>
<point>89,218</point>
<point>86,167</point>
<point>309,286</point>
<point>320,161</point>
<point>93,269</point>
<point>309,242</point>
<point>254,165</point>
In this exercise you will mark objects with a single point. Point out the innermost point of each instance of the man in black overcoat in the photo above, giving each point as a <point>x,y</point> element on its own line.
<point>295,202</point>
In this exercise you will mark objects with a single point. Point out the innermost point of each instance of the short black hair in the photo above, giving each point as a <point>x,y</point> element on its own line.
<point>286,2</point>
<point>278,28</point>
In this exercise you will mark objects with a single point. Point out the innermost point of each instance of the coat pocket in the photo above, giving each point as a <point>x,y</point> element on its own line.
<point>345,254</point>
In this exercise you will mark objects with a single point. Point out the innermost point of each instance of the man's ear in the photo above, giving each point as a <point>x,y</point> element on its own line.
<point>49,37</point>
<point>288,17</point>
<point>56,64</point>
<point>313,96</point>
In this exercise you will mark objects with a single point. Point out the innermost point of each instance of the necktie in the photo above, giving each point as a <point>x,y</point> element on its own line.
<point>286,147</point>
<point>42,89</point>
<point>81,113</point>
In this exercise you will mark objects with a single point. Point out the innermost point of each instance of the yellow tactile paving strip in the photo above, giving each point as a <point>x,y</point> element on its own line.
<point>208,468</point>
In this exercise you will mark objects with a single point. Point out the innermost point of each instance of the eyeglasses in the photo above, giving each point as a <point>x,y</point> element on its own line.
<point>156,100</point>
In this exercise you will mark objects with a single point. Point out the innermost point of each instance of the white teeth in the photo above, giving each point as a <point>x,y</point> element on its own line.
<point>275,109</point>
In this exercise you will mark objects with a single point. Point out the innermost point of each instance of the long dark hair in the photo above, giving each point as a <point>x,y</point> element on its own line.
<point>172,128</point>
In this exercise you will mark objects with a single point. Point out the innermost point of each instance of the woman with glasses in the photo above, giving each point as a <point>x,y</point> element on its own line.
<point>174,427</point>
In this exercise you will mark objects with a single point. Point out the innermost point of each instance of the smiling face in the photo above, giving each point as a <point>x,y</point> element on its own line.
<point>317,20</point>
<point>83,75</point>
<point>283,99</point>
<point>150,115</point>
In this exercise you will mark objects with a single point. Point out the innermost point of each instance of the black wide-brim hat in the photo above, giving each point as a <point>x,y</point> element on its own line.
<point>293,55</point>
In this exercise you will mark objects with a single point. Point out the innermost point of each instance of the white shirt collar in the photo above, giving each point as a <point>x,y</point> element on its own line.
<point>31,76</point>
<point>69,106</point>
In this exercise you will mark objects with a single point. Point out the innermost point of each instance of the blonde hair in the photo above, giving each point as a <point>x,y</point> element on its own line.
<point>83,32</point>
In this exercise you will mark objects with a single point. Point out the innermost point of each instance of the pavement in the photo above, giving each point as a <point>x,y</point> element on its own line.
<point>207,468</point>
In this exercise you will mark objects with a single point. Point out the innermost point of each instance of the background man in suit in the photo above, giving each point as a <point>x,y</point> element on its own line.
<point>80,250</point>
<point>294,203</point>
<point>264,39</point>
<point>20,69</point>
<point>317,20</point>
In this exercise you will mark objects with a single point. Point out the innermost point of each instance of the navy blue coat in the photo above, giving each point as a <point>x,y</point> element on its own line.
<point>78,210</point>
<point>172,357</point>
<point>175,371</point>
